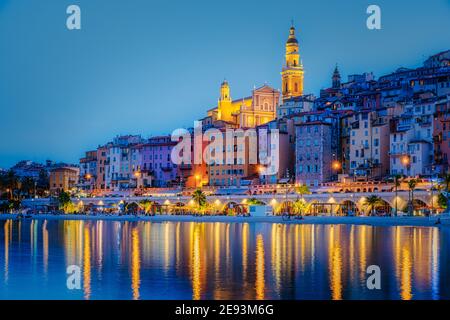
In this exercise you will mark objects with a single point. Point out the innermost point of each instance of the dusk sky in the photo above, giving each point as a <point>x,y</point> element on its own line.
<point>148,67</point>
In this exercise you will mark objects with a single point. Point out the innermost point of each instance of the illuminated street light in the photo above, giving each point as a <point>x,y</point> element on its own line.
<point>197,179</point>
<point>336,165</point>
<point>405,160</point>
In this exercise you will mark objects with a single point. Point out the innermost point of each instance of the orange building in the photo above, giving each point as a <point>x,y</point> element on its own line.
<point>63,179</point>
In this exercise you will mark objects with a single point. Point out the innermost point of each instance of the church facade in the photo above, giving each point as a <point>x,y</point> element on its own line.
<point>247,112</point>
<point>261,106</point>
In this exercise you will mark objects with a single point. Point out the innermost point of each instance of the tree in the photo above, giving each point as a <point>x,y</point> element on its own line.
<point>300,206</point>
<point>447,191</point>
<point>65,203</point>
<point>27,186</point>
<point>2,184</point>
<point>42,183</point>
<point>199,198</point>
<point>302,190</point>
<point>132,207</point>
<point>146,205</point>
<point>11,183</point>
<point>255,202</point>
<point>372,202</point>
<point>411,186</point>
<point>442,201</point>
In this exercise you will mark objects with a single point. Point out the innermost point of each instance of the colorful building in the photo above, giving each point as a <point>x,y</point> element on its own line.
<point>441,135</point>
<point>63,179</point>
<point>88,171</point>
<point>100,177</point>
<point>369,145</point>
<point>156,165</point>
<point>316,150</point>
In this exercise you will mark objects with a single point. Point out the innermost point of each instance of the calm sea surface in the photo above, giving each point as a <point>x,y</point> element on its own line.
<point>190,260</point>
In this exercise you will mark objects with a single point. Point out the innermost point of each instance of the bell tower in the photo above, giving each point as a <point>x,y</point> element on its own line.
<point>336,78</point>
<point>224,105</point>
<point>292,71</point>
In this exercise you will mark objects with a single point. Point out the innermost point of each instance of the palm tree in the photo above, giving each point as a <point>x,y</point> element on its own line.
<point>300,206</point>
<point>302,190</point>
<point>447,190</point>
<point>255,202</point>
<point>27,186</point>
<point>199,198</point>
<point>146,205</point>
<point>372,202</point>
<point>397,183</point>
<point>11,182</point>
<point>132,208</point>
<point>411,186</point>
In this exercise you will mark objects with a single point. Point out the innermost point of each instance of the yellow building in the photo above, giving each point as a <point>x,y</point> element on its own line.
<point>292,71</point>
<point>247,112</point>
<point>63,179</point>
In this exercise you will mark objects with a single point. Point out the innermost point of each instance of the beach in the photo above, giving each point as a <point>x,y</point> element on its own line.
<point>361,220</point>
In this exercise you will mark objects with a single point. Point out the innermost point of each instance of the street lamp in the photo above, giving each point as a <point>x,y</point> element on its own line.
<point>405,161</point>
<point>197,179</point>
<point>261,170</point>
<point>336,166</point>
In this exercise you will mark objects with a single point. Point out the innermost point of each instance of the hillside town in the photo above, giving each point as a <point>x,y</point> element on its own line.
<point>362,129</point>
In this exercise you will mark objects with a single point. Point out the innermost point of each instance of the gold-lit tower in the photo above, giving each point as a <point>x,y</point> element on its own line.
<point>292,72</point>
<point>225,107</point>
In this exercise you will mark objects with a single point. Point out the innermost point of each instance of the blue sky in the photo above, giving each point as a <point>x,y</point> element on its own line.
<point>147,67</point>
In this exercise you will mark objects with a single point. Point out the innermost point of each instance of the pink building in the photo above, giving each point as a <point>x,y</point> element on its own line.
<point>156,167</point>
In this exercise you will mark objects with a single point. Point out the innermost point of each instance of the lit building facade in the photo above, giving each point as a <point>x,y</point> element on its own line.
<point>292,71</point>
<point>248,112</point>
<point>369,145</point>
<point>156,166</point>
<point>63,179</point>
<point>441,135</point>
<point>88,171</point>
<point>316,149</point>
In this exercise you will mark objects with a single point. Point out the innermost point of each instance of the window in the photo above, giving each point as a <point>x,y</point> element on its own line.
<point>376,142</point>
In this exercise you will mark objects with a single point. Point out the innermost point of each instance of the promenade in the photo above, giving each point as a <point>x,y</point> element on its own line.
<point>362,220</point>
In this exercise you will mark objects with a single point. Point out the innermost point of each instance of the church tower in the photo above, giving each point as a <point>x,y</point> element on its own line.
<point>336,79</point>
<point>292,71</point>
<point>225,105</point>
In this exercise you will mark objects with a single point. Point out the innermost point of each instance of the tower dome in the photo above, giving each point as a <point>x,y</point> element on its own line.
<point>292,38</point>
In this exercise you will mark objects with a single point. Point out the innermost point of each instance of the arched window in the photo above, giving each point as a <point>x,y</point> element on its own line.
<point>296,87</point>
<point>286,88</point>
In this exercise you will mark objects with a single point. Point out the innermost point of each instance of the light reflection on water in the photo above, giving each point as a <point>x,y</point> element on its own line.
<point>190,260</point>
